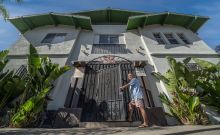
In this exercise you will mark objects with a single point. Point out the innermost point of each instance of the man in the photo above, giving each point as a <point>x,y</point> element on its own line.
<point>136,98</point>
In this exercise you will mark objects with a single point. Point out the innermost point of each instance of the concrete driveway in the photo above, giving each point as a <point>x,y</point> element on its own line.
<point>155,130</point>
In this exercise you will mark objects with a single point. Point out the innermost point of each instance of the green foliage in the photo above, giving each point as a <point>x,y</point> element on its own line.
<point>30,92</point>
<point>41,75</point>
<point>8,83</point>
<point>209,81</point>
<point>29,112</point>
<point>184,104</point>
<point>3,10</point>
<point>11,86</point>
<point>3,59</point>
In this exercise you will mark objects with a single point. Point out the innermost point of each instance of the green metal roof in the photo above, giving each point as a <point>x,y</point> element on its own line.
<point>26,23</point>
<point>86,19</point>
<point>187,21</point>
<point>109,16</point>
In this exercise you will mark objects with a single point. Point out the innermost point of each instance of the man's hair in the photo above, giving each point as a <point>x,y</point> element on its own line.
<point>131,74</point>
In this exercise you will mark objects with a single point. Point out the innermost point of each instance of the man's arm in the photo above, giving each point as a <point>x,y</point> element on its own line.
<point>125,86</point>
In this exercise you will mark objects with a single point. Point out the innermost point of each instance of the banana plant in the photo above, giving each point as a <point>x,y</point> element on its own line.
<point>209,81</point>
<point>3,10</point>
<point>3,60</point>
<point>28,112</point>
<point>41,75</point>
<point>184,104</point>
<point>11,87</point>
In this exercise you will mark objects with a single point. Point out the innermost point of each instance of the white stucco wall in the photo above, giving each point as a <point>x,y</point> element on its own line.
<point>162,64</point>
<point>20,47</point>
<point>35,37</point>
<point>15,63</point>
<point>131,39</point>
<point>197,46</point>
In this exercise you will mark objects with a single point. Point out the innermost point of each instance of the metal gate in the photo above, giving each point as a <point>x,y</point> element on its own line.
<point>100,97</point>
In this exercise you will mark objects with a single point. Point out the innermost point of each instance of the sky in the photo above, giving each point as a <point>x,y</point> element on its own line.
<point>210,32</point>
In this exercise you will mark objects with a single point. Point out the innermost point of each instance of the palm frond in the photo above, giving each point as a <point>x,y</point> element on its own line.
<point>3,11</point>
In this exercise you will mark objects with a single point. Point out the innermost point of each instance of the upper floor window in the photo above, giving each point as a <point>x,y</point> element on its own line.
<point>193,67</point>
<point>159,38</point>
<point>171,38</point>
<point>108,39</point>
<point>183,38</point>
<point>53,38</point>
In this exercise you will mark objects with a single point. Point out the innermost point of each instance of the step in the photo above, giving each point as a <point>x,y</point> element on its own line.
<point>109,124</point>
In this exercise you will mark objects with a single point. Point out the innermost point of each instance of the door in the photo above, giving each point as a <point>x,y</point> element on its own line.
<point>100,97</point>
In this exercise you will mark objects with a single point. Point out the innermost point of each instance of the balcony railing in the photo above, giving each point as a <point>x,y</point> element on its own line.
<point>109,49</point>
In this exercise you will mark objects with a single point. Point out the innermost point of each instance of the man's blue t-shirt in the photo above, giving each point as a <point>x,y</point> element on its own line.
<point>135,89</point>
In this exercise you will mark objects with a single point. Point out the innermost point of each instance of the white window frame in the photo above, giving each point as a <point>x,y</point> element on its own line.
<point>184,38</point>
<point>55,35</point>
<point>109,38</point>
<point>173,38</point>
<point>161,38</point>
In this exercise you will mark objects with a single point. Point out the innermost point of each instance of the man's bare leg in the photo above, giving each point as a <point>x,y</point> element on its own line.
<point>144,115</point>
<point>130,111</point>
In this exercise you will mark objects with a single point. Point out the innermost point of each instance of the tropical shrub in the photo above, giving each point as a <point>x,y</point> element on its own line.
<point>3,10</point>
<point>29,112</point>
<point>209,82</point>
<point>184,103</point>
<point>39,82</point>
<point>11,87</point>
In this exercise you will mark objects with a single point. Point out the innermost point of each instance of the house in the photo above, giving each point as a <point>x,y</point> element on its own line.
<point>103,46</point>
<point>217,48</point>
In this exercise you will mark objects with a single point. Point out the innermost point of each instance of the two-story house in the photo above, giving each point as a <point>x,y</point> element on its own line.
<point>103,46</point>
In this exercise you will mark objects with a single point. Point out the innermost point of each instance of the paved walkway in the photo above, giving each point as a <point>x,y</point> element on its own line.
<point>171,130</point>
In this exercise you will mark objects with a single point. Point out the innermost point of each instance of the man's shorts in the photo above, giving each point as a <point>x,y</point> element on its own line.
<point>137,103</point>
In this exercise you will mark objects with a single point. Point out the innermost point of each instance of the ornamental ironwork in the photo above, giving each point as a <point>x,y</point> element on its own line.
<point>109,59</point>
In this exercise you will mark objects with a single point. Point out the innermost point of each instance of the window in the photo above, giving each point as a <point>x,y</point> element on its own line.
<point>53,38</point>
<point>159,39</point>
<point>217,49</point>
<point>60,37</point>
<point>193,67</point>
<point>183,38</point>
<point>103,39</point>
<point>108,39</point>
<point>49,38</point>
<point>171,38</point>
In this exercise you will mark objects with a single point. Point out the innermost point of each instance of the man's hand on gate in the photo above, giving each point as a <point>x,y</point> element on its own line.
<point>121,88</point>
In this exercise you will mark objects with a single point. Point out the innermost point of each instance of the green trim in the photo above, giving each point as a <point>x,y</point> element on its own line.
<point>86,19</point>
<point>53,19</point>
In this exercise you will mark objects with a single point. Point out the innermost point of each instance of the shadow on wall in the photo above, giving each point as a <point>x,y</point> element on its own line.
<point>53,39</point>
<point>93,111</point>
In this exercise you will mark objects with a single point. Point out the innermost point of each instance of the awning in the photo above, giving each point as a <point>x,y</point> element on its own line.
<point>26,23</point>
<point>109,16</point>
<point>86,19</point>
<point>187,21</point>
